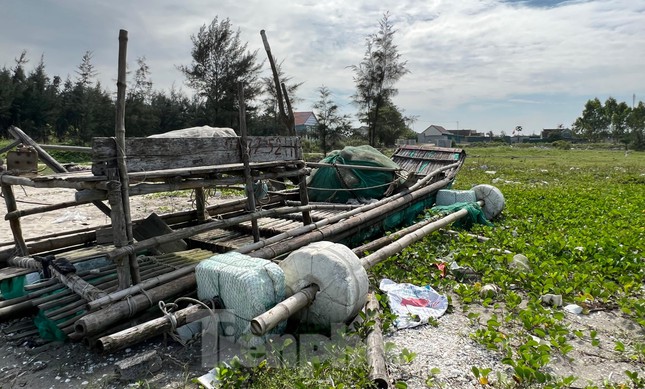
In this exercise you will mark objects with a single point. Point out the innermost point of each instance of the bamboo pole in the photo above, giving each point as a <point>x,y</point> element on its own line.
<point>108,284</point>
<point>375,347</point>
<point>190,231</point>
<point>278,90</point>
<point>121,153</point>
<point>356,167</point>
<point>378,243</point>
<point>119,234</point>
<point>200,202</point>
<point>143,331</point>
<point>360,219</point>
<point>76,149</point>
<point>10,146</point>
<point>403,242</point>
<point>265,322</point>
<point>46,208</point>
<point>16,229</point>
<point>302,180</point>
<point>97,321</point>
<point>16,310</point>
<point>244,150</point>
<point>149,283</point>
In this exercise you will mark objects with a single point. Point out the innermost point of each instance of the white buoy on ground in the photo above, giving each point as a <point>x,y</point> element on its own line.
<point>493,199</point>
<point>342,281</point>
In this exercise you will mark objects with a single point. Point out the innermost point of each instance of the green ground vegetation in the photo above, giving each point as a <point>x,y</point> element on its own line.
<point>579,217</point>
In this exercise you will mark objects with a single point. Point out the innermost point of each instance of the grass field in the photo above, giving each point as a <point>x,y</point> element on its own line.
<point>579,218</point>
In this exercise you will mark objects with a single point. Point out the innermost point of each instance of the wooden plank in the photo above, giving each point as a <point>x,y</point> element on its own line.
<point>145,154</point>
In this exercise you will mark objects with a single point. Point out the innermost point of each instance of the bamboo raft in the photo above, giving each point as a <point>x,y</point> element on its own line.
<point>129,266</point>
<point>270,233</point>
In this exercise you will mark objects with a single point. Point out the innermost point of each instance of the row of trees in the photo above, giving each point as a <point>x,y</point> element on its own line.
<point>612,121</point>
<point>79,107</point>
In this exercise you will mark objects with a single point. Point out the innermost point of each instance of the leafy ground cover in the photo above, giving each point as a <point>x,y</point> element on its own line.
<point>579,218</point>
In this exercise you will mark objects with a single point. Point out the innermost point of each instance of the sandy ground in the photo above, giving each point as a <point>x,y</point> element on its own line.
<point>27,363</point>
<point>82,216</point>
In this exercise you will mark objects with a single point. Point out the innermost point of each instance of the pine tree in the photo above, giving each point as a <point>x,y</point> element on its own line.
<point>220,61</point>
<point>382,66</point>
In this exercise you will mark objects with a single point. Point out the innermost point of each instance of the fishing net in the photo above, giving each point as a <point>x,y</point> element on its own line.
<point>475,214</point>
<point>404,217</point>
<point>12,288</point>
<point>338,184</point>
<point>47,328</point>
<point>247,286</point>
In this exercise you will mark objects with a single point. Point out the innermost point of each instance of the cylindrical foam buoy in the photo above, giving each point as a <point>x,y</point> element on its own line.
<point>341,278</point>
<point>493,199</point>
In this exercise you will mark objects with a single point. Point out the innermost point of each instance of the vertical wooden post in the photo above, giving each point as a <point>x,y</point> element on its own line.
<point>16,229</point>
<point>304,199</point>
<point>302,188</point>
<point>278,90</point>
<point>244,147</point>
<point>119,235</point>
<point>121,152</point>
<point>200,204</point>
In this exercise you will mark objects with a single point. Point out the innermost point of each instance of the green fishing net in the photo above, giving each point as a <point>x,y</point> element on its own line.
<point>331,184</point>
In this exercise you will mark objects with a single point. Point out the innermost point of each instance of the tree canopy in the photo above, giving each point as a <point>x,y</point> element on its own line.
<point>382,66</point>
<point>219,61</point>
<point>332,125</point>
<point>612,121</point>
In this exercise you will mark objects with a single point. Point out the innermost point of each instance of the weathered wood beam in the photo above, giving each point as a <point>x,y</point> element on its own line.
<point>121,151</point>
<point>143,331</point>
<point>16,229</point>
<point>375,347</point>
<point>244,150</point>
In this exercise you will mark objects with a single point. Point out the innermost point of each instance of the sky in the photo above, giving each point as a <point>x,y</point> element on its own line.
<point>486,65</point>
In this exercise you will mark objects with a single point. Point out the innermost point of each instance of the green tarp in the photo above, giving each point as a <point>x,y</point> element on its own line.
<point>338,185</point>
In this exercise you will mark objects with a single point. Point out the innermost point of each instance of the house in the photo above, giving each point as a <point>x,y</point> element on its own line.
<point>435,135</point>
<point>306,123</point>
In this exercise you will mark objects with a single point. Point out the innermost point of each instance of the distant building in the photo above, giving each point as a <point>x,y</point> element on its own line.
<point>306,123</point>
<point>435,135</point>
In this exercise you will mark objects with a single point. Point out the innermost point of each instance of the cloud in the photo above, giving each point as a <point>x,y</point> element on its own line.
<point>461,54</point>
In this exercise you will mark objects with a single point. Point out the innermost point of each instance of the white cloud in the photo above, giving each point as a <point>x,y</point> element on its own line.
<point>461,54</point>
